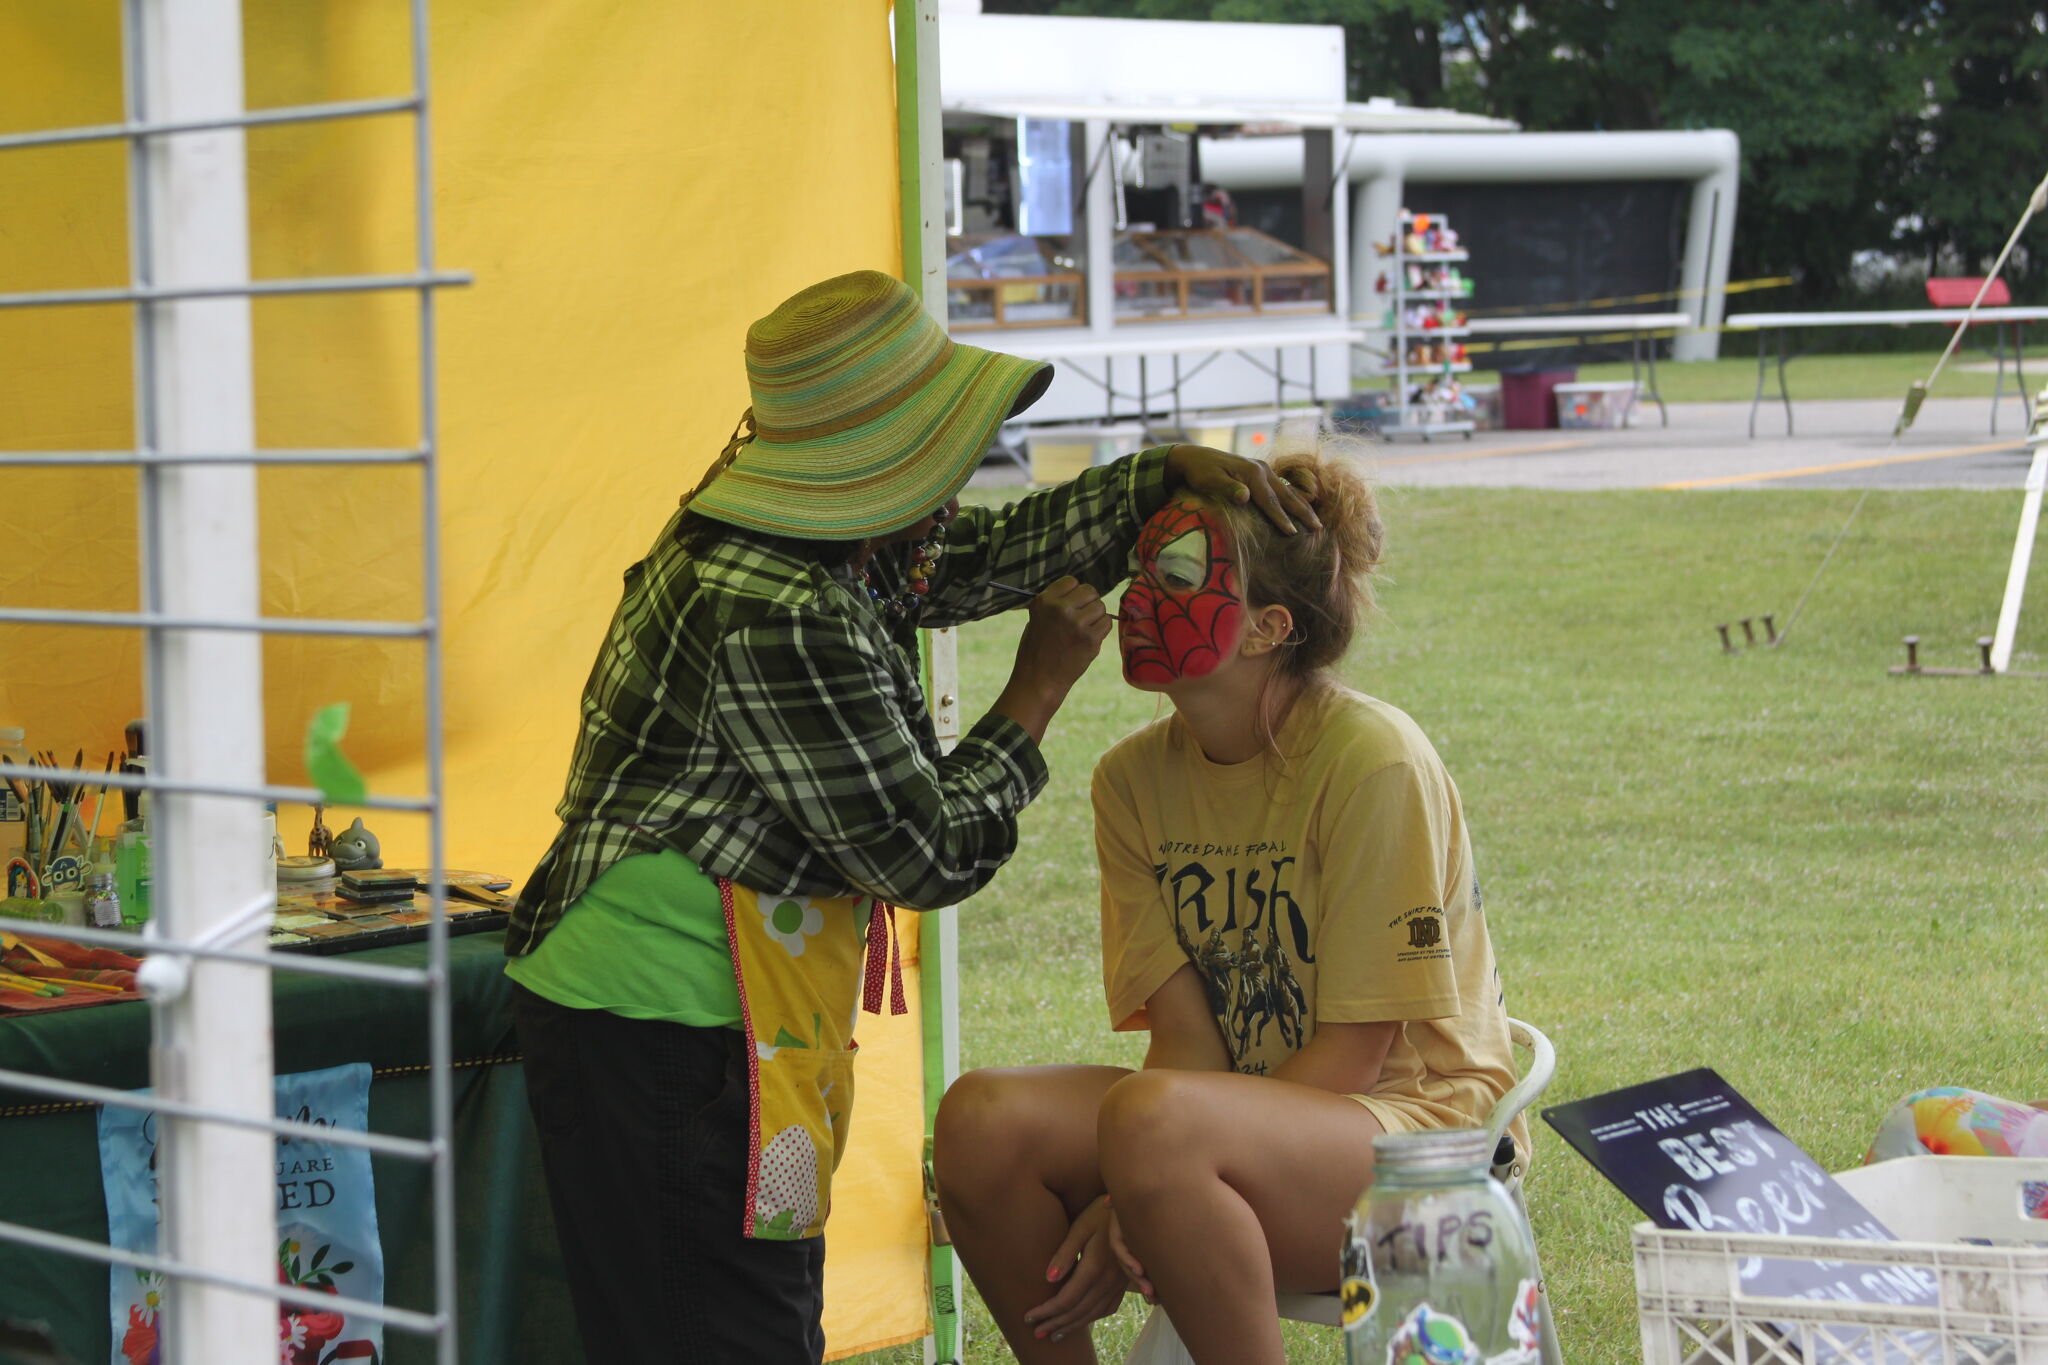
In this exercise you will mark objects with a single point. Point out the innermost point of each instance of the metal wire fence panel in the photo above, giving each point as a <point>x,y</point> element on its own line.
<point>206,975</point>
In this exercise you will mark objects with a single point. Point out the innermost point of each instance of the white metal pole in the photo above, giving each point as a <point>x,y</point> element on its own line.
<point>213,1045</point>
<point>1099,222</point>
<point>2022,554</point>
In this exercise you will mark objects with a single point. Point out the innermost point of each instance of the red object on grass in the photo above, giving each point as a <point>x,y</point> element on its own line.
<point>1527,400</point>
<point>1957,291</point>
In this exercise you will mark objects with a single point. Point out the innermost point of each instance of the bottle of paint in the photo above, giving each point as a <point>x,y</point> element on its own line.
<point>133,870</point>
<point>13,814</point>
<point>102,893</point>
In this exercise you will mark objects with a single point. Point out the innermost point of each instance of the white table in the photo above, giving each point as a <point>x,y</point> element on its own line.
<point>1765,324</point>
<point>1637,325</point>
<point>1148,341</point>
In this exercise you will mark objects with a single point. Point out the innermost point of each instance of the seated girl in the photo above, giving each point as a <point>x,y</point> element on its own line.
<point>1289,907</point>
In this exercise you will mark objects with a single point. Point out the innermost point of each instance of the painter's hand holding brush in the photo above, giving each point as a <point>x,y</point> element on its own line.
<point>1067,627</point>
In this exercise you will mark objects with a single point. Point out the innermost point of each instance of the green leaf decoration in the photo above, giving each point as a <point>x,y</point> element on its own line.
<point>784,1038</point>
<point>339,782</point>
<point>341,1267</point>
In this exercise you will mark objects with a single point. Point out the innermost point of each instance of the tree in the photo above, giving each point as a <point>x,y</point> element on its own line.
<point>1981,151</point>
<point>1865,124</point>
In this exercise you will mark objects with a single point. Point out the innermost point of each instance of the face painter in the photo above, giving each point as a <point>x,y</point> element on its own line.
<point>757,788</point>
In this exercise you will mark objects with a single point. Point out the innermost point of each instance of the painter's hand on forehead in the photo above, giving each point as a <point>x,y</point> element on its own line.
<point>1233,478</point>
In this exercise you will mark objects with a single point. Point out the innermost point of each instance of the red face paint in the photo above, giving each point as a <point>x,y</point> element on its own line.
<point>1182,612</point>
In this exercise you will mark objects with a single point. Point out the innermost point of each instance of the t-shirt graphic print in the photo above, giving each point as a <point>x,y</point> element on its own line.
<point>1329,882</point>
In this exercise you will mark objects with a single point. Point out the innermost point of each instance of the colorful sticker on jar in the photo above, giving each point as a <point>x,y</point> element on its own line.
<point>1525,1326</point>
<point>1361,1292</point>
<point>1427,1337</point>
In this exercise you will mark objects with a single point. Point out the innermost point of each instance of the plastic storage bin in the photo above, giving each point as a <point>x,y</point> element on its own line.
<point>1993,1299</point>
<point>1526,397</point>
<point>1485,412</point>
<point>1364,412</point>
<point>1596,405</point>
<point>1253,432</point>
<point>1060,453</point>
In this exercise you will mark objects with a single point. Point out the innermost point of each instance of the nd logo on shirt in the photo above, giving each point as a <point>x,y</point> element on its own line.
<point>1236,920</point>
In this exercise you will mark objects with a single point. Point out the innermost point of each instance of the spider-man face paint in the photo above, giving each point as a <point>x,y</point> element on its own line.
<point>1182,613</point>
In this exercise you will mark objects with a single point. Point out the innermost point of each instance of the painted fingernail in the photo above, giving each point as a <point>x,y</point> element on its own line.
<point>1052,1272</point>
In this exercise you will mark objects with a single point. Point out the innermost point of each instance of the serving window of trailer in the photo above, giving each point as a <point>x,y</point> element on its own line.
<point>1015,249</point>
<point>1017,244</point>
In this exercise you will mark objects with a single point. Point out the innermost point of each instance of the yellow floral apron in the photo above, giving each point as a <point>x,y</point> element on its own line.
<point>801,984</point>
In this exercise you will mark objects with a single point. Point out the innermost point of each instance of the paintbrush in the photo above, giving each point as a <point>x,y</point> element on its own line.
<point>99,808</point>
<point>64,821</point>
<point>1027,593</point>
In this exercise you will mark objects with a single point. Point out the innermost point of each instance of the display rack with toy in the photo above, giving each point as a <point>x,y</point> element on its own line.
<point>1425,323</point>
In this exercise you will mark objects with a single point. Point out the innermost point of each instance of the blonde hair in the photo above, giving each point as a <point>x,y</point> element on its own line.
<point>1323,578</point>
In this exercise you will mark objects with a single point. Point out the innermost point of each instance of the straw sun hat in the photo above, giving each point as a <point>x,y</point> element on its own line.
<point>866,415</point>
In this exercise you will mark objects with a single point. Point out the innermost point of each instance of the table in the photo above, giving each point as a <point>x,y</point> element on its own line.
<point>1765,324</point>
<point>513,1302</point>
<point>1637,325</point>
<point>1170,341</point>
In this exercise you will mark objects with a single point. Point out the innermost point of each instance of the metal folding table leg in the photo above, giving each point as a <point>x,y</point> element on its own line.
<point>1998,389</point>
<point>1784,393</point>
<point>1650,348</point>
<point>2019,369</point>
<point>1757,399</point>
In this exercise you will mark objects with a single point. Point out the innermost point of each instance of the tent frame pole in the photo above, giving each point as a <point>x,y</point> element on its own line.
<point>920,170</point>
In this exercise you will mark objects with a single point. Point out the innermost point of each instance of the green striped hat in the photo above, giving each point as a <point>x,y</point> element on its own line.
<point>866,415</point>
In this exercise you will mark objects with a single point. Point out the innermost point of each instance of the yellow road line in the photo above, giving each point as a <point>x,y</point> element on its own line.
<point>1482,453</point>
<point>1725,479</point>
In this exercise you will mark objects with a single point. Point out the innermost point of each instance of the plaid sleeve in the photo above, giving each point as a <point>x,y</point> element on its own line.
<point>1085,528</point>
<point>814,715</point>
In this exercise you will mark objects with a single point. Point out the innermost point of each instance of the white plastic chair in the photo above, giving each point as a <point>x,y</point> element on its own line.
<point>1158,1344</point>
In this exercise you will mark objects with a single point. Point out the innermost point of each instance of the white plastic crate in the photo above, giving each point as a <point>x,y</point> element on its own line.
<point>1993,1300</point>
<point>1600,405</point>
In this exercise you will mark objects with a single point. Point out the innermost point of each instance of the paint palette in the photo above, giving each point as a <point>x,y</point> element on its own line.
<point>312,917</point>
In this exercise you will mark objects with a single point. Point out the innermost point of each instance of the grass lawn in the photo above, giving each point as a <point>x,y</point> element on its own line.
<point>1732,378</point>
<point>1822,880</point>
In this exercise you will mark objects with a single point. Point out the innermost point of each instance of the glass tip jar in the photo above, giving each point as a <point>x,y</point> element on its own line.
<point>1439,1266</point>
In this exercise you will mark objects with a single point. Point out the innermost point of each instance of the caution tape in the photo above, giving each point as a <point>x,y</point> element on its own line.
<point>1572,339</point>
<point>1580,305</point>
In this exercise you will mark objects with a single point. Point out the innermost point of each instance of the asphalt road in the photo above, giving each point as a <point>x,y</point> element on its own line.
<point>1835,444</point>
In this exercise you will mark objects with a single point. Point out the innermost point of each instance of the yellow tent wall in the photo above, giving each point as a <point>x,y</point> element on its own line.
<point>631,186</point>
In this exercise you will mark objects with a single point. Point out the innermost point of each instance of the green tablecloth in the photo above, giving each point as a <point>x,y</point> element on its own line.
<point>513,1303</point>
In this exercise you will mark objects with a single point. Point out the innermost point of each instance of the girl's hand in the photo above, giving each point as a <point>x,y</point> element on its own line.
<point>1089,1273</point>
<point>1132,1270</point>
<point>1237,479</point>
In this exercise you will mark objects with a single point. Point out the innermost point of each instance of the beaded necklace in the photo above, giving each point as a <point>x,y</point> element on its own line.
<point>924,557</point>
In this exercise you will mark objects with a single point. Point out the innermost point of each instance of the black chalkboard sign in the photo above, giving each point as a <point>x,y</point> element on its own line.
<point>1692,1153</point>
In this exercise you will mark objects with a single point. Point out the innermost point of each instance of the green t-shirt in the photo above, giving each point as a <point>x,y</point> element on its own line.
<point>646,940</point>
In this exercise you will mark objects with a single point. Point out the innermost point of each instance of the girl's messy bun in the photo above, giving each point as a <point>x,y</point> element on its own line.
<point>1323,578</point>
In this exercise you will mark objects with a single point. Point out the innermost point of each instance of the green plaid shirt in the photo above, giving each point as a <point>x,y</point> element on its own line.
<point>758,714</point>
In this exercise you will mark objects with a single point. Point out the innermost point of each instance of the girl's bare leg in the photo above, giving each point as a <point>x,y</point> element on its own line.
<point>1014,1153</point>
<point>1227,1188</point>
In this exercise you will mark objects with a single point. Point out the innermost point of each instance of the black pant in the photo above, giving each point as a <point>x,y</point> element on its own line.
<point>643,1133</point>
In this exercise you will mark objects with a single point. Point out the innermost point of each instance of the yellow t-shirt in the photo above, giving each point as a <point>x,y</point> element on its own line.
<point>1332,882</point>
